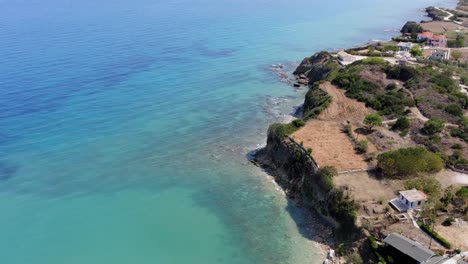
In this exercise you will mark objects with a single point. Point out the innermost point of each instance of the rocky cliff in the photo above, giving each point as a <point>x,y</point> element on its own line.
<point>302,179</point>
<point>317,67</point>
<point>295,169</point>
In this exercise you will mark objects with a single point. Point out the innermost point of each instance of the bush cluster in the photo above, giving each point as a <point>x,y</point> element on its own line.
<point>433,126</point>
<point>326,175</point>
<point>435,235</point>
<point>428,185</point>
<point>390,102</point>
<point>409,161</point>
<point>402,124</point>
<point>284,130</point>
<point>316,100</point>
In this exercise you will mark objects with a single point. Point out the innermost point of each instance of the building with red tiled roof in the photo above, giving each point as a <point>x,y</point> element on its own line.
<point>437,41</point>
<point>425,36</point>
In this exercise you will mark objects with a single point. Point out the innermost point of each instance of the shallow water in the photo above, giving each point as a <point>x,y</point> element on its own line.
<point>124,126</point>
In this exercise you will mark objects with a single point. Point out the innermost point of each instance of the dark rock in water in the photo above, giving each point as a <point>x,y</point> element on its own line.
<point>317,67</point>
<point>297,85</point>
<point>7,171</point>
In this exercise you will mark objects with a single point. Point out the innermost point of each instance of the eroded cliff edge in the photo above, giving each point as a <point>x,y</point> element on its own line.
<point>294,167</point>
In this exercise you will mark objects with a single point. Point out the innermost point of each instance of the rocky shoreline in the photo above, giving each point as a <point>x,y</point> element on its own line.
<point>293,168</point>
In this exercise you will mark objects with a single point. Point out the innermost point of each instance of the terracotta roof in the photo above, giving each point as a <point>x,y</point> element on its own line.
<point>439,37</point>
<point>426,34</point>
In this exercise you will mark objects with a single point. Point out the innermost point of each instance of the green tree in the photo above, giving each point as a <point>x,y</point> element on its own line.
<point>456,55</point>
<point>402,123</point>
<point>433,126</point>
<point>416,51</point>
<point>373,120</point>
<point>408,162</point>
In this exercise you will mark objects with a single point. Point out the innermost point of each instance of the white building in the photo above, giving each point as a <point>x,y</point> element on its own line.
<point>405,46</point>
<point>410,199</point>
<point>440,55</point>
<point>343,56</point>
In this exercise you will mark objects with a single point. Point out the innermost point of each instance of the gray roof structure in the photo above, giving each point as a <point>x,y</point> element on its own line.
<point>409,247</point>
<point>413,195</point>
<point>436,260</point>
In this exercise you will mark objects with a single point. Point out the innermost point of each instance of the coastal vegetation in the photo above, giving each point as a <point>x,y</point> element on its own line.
<point>359,85</point>
<point>434,234</point>
<point>416,126</point>
<point>284,130</point>
<point>407,162</point>
<point>372,120</point>
<point>429,185</point>
<point>316,100</point>
<point>433,126</point>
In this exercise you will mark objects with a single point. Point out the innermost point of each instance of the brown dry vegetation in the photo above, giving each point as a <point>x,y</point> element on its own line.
<point>342,108</point>
<point>440,26</point>
<point>331,146</point>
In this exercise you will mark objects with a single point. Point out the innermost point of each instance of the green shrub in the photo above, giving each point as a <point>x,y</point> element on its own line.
<point>403,123</point>
<point>298,123</point>
<point>457,146</point>
<point>454,109</point>
<point>326,175</point>
<point>462,193</point>
<point>391,48</point>
<point>374,61</point>
<point>387,103</point>
<point>402,72</point>
<point>462,130</point>
<point>445,81</point>
<point>428,185</point>
<point>435,235</point>
<point>448,221</point>
<point>316,100</point>
<point>409,161</point>
<point>348,129</point>
<point>416,51</point>
<point>373,120</point>
<point>433,126</point>
<point>285,130</point>
<point>362,146</point>
<point>391,86</point>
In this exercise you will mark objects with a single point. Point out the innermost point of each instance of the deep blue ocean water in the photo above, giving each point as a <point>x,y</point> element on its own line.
<point>124,125</point>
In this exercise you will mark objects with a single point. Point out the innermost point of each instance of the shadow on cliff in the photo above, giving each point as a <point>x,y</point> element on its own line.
<point>308,222</point>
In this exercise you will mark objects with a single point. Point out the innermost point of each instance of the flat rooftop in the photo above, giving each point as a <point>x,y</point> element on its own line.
<point>413,195</point>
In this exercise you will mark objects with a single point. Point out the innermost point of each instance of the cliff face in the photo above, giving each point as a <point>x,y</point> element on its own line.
<point>317,67</point>
<point>296,171</point>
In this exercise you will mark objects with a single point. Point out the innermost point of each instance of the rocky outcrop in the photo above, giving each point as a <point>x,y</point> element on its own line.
<point>317,67</point>
<point>301,178</point>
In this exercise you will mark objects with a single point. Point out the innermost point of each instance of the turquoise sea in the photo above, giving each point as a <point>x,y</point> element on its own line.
<point>125,125</point>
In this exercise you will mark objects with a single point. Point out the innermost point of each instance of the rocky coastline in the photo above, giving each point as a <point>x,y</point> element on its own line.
<point>295,170</point>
